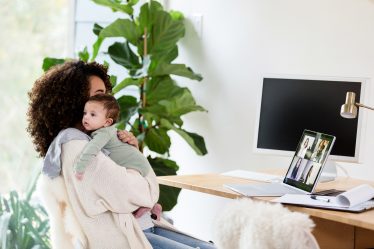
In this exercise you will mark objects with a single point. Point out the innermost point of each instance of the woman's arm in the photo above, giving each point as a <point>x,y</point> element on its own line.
<point>106,185</point>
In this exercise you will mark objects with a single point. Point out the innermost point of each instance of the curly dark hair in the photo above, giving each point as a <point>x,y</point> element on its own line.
<point>57,100</point>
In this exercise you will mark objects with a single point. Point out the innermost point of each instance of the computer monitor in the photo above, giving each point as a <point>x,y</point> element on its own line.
<point>291,104</point>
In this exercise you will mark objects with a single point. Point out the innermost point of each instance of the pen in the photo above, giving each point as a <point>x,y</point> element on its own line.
<point>319,198</point>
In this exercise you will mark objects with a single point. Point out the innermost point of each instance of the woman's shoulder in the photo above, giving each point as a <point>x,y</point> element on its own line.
<point>52,161</point>
<point>72,134</point>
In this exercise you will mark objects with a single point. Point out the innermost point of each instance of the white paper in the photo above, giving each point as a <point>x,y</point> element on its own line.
<point>356,195</point>
<point>352,197</point>
<point>307,200</point>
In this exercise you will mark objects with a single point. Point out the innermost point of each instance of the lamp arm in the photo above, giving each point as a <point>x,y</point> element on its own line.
<point>364,106</point>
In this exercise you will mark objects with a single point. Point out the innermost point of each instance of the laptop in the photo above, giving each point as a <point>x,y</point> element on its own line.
<point>302,174</point>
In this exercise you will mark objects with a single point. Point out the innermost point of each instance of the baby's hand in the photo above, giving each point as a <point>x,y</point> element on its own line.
<point>140,212</point>
<point>79,176</point>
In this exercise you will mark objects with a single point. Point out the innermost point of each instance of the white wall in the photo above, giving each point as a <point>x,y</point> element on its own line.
<point>242,40</point>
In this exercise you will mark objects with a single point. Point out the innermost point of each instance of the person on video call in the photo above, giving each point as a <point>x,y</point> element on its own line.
<point>296,169</point>
<point>304,148</point>
<point>320,151</point>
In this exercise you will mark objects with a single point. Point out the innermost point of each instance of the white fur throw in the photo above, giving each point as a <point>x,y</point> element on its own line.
<point>247,224</point>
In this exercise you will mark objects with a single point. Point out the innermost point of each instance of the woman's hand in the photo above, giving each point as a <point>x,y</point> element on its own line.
<point>128,137</point>
<point>155,212</point>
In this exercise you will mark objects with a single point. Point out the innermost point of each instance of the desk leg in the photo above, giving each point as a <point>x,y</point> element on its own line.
<point>364,238</point>
<point>333,235</point>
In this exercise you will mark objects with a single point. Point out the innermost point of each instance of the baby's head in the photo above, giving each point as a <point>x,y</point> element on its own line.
<point>100,111</point>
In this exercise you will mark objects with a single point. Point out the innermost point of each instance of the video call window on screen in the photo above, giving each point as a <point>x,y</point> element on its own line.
<point>309,159</point>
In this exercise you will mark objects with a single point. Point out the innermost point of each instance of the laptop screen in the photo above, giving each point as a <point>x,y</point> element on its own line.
<point>309,159</point>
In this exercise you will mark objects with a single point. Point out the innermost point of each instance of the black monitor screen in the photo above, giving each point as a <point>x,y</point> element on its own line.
<point>288,106</point>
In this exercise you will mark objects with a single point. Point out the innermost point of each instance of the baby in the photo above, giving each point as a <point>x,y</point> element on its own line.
<point>100,113</point>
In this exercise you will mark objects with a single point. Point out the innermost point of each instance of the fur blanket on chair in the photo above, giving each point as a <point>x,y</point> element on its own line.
<point>247,224</point>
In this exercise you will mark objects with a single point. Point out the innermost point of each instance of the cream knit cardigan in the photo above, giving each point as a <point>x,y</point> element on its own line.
<point>96,212</point>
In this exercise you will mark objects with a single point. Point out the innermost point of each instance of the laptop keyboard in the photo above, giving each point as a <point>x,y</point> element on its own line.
<point>254,176</point>
<point>262,189</point>
<point>280,188</point>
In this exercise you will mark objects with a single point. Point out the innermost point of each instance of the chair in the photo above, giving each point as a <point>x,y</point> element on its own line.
<point>65,230</point>
<point>248,224</point>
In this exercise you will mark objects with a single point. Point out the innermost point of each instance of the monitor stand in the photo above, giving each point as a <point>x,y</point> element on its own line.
<point>329,172</point>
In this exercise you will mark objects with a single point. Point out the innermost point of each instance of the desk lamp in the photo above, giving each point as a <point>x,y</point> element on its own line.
<point>349,109</point>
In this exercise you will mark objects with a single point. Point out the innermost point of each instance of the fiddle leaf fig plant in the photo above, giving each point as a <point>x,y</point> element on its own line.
<point>145,46</point>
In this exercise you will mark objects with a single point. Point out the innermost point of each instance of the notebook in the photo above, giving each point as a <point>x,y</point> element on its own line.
<point>303,173</point>
<point>357,199</point>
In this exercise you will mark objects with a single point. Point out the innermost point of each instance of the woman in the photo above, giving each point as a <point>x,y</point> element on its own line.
<point>103,203</point>
<point>303,148</point>
<point>296,168</point>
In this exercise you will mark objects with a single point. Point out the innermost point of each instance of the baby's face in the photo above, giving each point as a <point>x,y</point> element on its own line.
<point>94,116</point>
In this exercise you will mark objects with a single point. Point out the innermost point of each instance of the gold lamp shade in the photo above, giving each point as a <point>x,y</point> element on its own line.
<point>349,108</point>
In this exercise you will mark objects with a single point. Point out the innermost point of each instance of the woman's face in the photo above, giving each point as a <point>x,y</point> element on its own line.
<point>96,85</point>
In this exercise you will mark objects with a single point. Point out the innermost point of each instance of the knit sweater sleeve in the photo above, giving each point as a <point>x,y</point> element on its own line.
<point>107,186</point>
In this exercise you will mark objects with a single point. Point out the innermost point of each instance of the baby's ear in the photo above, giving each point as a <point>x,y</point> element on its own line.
<point>108,122</point>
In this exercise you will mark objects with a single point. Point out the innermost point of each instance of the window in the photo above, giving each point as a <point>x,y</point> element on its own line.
<point>31,30</point>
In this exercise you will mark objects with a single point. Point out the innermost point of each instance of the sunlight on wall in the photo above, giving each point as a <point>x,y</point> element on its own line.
<point>31,30</point>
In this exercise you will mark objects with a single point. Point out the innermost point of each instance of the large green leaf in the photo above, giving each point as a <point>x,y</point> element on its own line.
<point>129,106</point>
<point>166,57</point>
<point>168,195</point>
<point>132,2</point>
<point>176,69</point>
<point>176,15</point>
<point>165,34</point>
<point>113,80</point>
<point>84,55</point>
<point>157,140</point>
<point>146,20</point>
<point>127,82</point>
<point>97,29</point>
<point>116,6</point>
<point>122,54</point>
<point>147,14</point>
<point>177,106</point>
<point>160,88</point>
<point>170,107</point>
<point>96,46</point>
<point>122,28</point>
<point>196,141</point>
<point>49,62</point>
<point>181,104</point>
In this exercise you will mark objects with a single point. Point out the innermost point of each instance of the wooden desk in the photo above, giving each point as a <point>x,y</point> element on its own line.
<point>334,229</point>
